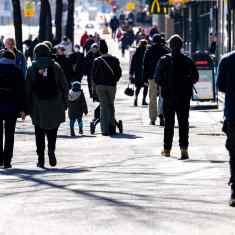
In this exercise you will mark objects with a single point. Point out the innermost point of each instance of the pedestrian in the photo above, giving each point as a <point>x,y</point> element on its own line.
<point>77,106</point>
<point>20,60</point>
<point>83,40</point>
<point>2,42</point>
<point>226,84</point>
<point>78,61</point>
<point>67,45</point>
<point>89,43</point>
<point>152,56</point>
<point>124,43</point>
<point>47,95</point>
<point>114,24</point>
<point>12,104</point>
<point>64,63</point>
<point>89,59</point>
<point>29,47</point>
<point>136,72</point>
<point>106,73</point>
<point>176,74</point>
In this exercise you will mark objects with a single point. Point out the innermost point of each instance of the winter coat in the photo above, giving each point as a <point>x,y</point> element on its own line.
<point>84,39</point>
<point>176,75</point>
<point>77,107</point>
<point>67,67</point>
<point>102,74</point>
<point>21,62</point>
<point>226,84</point>
<point>78,62</point>
<point>89,59</point>
<point>114,23</point>
<point>137,66</point>
<point>12,88</point>
<point>47,113</point>
<point>152,55</point>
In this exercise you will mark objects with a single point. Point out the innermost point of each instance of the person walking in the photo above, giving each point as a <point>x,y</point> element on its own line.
<point>20,60</point>
<point>77,106</point>
<point>106,73</point>
<point>12,104</point>
<point>152,56</point>
<point>176,74</point>
<point>114,24</point>
<point>136,72</point>
<point>89,59</point>
<point>226,84</point>
<point>47,95</point>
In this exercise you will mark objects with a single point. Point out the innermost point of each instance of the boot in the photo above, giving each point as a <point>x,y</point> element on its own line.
<point>80,131</point>
<point>52,158</point>
<point>120,126</point>
<point>92,128</point>
<point>144,102</point>
<point>41,161</point>
<point>135,102</point>
<point>184,154</point>
<point>7,163</point>
<point>166,152</point>
<point>1,161</point>
<point>72,132</point>
<point>232,198</point>
<point>162,121</point>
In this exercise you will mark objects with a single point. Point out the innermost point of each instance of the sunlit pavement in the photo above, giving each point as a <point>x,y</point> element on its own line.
<point>120,184</point>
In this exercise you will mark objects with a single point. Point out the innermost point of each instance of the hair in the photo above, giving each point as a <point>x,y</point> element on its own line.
<point>103,47</point>
<point>12,40</point>
<point>175,42</point>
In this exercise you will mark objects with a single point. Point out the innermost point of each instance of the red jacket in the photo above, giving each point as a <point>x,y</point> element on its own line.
<point>84,39</point>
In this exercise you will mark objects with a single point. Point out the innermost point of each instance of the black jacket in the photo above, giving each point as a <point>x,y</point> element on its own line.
<point>176,75</point>
<point>102,74</point>
<point>89,59</point>
<point>12,89</point>
<point>78,61</point>
<point>152,55</point>
<point>137,66</point>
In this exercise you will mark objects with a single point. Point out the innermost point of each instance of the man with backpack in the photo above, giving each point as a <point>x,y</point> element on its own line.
<point>106,73</point>
<point>176,74</point>
<point>47,95</point>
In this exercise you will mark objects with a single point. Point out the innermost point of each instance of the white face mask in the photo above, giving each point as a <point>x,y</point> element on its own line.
<point>76,49</point>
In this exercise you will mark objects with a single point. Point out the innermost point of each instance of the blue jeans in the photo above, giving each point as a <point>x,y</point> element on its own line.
<point>73,120</point>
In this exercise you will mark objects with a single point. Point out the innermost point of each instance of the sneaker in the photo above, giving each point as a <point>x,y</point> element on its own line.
<point>184,154</point>
<point>232,198</point>
<point>166,153</point>
<point>92,128</point>
<point>72,133</point>
<point>120,126</point>
<point>7,166</point>
<point>52,159</point>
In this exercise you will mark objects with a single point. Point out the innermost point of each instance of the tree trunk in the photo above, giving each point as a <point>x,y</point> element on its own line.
<point>70,20</point>
<point>58,20</point>
<point>17,23</point>
<point>45,24</point>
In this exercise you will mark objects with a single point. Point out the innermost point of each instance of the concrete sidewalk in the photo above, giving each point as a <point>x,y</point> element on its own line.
<point>120,184</point>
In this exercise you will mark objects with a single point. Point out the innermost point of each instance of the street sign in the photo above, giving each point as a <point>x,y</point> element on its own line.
<point>130,6</point>
<point>29,8</point>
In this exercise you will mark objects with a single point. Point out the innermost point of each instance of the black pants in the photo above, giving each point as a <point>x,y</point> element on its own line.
<point>7,122</point>
<point>137,91</point>
<point>181,109</point>
<point>40,140</point>
<point>230,145</point>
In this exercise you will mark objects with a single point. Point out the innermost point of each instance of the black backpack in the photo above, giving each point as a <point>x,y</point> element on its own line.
<point>45,86</point>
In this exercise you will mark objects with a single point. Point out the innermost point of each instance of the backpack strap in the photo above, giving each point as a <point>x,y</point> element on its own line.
<point>107,65</point>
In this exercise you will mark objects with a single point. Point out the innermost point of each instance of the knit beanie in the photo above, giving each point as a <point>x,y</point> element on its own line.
<point>41,50</point>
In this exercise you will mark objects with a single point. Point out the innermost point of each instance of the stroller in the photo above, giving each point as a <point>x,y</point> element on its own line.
<point>96,120</point>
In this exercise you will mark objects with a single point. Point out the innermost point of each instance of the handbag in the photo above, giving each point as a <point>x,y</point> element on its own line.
<point>129,91</point>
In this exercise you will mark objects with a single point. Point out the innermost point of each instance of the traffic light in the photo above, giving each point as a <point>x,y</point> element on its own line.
<point>158,7</point>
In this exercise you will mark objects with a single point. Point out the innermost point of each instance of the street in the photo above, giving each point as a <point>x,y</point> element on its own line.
<point>120,185</point>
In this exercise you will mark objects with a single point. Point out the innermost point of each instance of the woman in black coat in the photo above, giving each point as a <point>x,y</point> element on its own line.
<point>12,104</point>
<point>136,72</point>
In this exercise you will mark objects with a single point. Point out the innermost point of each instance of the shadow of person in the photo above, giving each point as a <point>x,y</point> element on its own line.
<point>126,136</point>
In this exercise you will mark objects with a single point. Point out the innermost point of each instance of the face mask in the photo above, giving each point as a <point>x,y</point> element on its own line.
<point>76,49</point>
